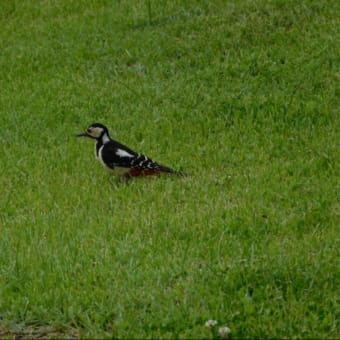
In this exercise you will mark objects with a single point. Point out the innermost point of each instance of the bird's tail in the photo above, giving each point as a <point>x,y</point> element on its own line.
<point>163,168</point>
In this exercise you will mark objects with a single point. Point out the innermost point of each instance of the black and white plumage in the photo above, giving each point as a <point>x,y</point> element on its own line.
<point>119,158</point>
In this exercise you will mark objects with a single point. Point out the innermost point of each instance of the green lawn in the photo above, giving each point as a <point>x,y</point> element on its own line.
<point>241,95</point>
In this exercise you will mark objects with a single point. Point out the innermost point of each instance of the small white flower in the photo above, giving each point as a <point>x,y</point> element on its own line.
<point>223,332</point>
<point>210,323</point>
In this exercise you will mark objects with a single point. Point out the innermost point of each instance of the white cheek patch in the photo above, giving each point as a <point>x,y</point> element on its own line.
<point>123,153</point>
<point>96,132</point>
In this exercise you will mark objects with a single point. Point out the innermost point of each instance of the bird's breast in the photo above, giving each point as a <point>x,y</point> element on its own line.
<point>99,153</point>
<point>96,150</point>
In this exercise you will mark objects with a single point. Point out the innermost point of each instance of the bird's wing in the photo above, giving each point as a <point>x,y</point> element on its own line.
<point>118,155</point>
<point>115,154</point>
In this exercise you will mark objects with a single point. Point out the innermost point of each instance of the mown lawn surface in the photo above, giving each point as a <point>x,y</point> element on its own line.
<point>243,96</point>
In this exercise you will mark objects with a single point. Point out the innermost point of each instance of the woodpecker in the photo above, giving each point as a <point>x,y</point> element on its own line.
<point>122,160</point>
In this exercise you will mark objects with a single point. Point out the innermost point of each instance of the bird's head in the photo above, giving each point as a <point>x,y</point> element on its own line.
<point>95,131</point>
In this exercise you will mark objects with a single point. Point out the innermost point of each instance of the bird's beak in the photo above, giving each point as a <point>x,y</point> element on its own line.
<point>82,134</point>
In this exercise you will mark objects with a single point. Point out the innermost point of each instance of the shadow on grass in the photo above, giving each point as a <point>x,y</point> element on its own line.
<point>125,181</point>
<point>38,332</point>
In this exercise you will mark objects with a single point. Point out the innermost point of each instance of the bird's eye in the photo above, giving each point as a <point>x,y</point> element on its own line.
<point>89,130</point>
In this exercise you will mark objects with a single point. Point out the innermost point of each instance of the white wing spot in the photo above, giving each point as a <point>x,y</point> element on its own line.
<point>123,153</point>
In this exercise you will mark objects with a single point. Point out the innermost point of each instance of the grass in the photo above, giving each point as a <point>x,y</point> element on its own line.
<point>242,95</point>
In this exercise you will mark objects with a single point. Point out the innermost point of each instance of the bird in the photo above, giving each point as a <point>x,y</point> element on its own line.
<point>123,161</point>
